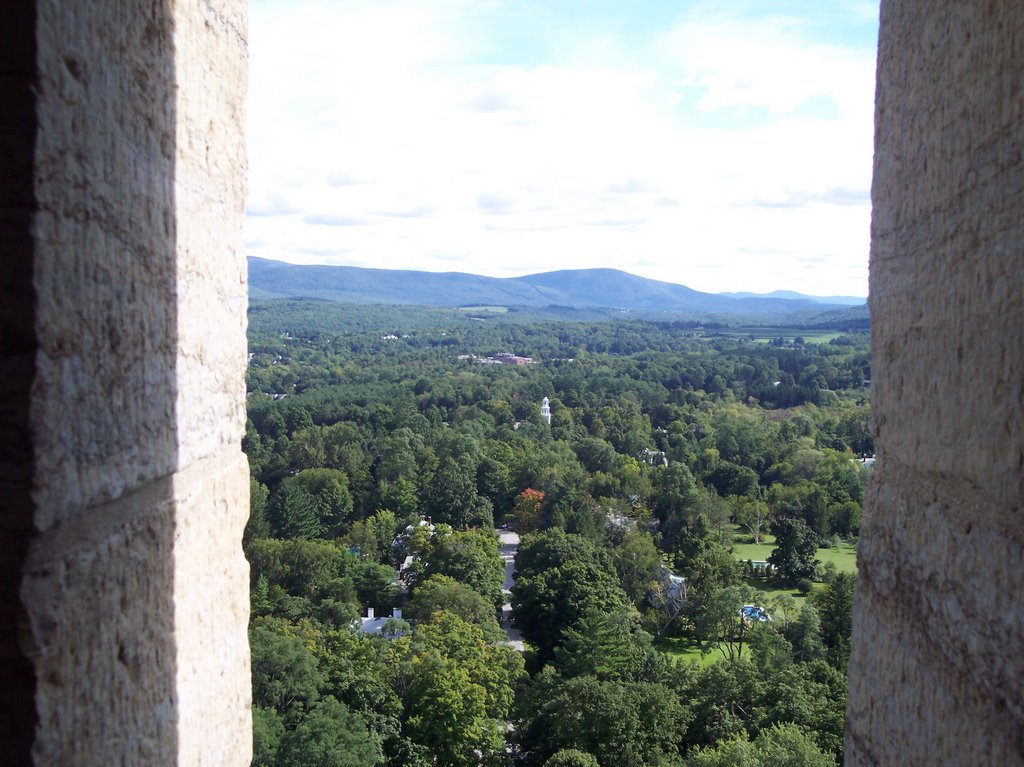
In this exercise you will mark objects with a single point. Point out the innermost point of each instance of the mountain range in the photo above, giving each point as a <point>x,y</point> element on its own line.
<point>575,288</point>
<point>790,294</point>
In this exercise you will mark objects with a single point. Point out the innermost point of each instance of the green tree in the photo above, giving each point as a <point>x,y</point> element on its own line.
<point>258,525</point>
<point>795,547</point>
<point>711,567</point>
<point>781,745</point>
<point>724,700</point>
<point>472,557</point>
<point>571,757</point>
<point>335,614</point>
<point>731,479</point>
<point>836,607</point>
<point>284,673</point>
<point>720,623</point>
<point>303,568</point>
<point>811,696</point>
<point>329,489</point>
<point>553,548</point>
<point>637,563</point>
<point>559,576</point>
<point>293,513</point>
<point>399,495</point>
<point>451,496</point>
<point>402,452</point>
<point>545,604</point>
<point>678,507</point>
<point>609,646</point>
<point>770,650</point>
<point>373,536</point>
<point>459,692</point>
<point>846,518</point>
<point>804,634</point>
<point>447,714</point>
<point>494,482</point>
<point>330,735</point>
<point>376,586</point>
<point>307,448</point>
<point>440,592</point>
<point>360,671</point>
<point>619,723</point>
<point>267,730</point>
<point>496,668</point>
<point>784,745</point>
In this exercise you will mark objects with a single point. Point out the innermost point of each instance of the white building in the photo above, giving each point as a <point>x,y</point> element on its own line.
<point>545,410</point>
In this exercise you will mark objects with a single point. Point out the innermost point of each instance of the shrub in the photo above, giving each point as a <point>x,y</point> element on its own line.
<point>804,586</point>
<point>571,757</point>
<point>827,572</point>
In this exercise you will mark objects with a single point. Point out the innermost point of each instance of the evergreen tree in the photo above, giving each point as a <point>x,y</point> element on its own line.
<point>836,608</point>
<point>293,513</point>
<point>795,547</point>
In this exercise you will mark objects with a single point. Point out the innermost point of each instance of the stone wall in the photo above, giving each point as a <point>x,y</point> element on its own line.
<point>123,369</point>
<point>211,488</point>
<point>937,674</point>
<point>123,591</point>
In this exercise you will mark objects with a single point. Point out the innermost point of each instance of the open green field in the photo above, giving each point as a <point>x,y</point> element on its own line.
<point>765,592</point>
<point>483,309</point>
<point>755,551</point>
<point>764,335</point>
<point>843,557</point>
<point>681,649</point>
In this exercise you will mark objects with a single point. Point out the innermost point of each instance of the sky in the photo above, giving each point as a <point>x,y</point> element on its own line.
<point>722,146</point>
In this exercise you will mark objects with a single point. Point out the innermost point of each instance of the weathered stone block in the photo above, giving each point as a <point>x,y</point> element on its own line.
<point>102,622</point>
<point>127,402</point>
<point>211,612</point>
<point>937,670</point>
<point>211,65</point>
<point>103,403</point>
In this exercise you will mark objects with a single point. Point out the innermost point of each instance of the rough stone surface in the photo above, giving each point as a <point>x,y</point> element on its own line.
<point>211,610</point>
<point>103,406</point>
<point>211,593</point>
<point>128,355</point>
<point>103,627</point>
<point>937,673</point>
<point>211,65</point>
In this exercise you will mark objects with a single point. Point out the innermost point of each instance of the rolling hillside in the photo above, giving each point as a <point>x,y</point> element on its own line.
<point>577,288</point>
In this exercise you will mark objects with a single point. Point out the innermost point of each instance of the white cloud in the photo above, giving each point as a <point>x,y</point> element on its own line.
<point>770,64</point>
<point>722,142</point>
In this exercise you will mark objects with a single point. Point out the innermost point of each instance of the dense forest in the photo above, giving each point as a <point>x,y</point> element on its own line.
<point>386,439</point>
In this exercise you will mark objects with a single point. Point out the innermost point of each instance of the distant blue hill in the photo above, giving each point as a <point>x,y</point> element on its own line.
<point>789,294</point>
<point>575,288</point>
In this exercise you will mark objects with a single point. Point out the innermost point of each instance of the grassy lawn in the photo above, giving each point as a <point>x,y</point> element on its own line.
<point>680,649</point>
<point>763,335</point>
<point>483,309</point>
<point>755,551</point>
<point>844,557</point>
<point>764,592</point>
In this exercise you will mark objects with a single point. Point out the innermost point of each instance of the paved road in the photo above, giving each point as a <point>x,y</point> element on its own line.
<point>509,546</point>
